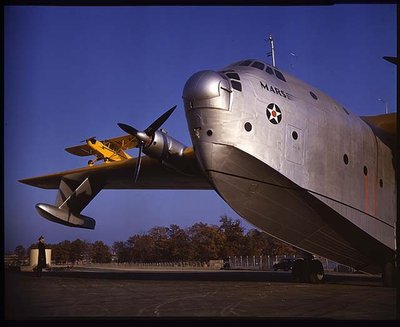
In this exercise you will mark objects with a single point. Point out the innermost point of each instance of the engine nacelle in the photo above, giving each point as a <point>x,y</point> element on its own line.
<point>65,217</point>
<point>164,147</point>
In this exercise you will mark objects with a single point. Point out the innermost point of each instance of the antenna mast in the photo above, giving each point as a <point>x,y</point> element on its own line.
<point>272,52</point>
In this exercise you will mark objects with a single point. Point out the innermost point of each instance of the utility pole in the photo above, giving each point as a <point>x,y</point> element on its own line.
<point>272,52</point>
<point>386,105</point>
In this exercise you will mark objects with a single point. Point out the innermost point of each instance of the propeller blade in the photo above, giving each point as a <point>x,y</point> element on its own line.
<point>89,139</point>
<point>145,138</point>
<point>128,129</point>
<point>157,123</point>
<point>138,163</point>
<point>140,136</point>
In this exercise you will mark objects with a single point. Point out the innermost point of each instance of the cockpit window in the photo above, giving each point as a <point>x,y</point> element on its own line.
<point>279,75</point>
<point>236,85</point>
<point>258,65</point>
<point>233,75</point>
<point>269,70</point>
<point>224,77</point>
<point>246,63</point>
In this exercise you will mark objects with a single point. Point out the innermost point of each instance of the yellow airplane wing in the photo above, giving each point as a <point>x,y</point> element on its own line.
<point>118,144</point>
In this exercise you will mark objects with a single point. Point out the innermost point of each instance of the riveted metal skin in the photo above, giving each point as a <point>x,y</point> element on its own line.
<point>287,175</point>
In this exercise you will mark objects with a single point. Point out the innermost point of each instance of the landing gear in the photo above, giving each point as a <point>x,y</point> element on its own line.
<point>316,273</point>
<point>388,275</point>
<point>308,270</point>
<point>92,162</point>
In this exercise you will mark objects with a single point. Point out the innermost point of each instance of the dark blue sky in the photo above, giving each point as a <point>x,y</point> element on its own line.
<point>75,72</point>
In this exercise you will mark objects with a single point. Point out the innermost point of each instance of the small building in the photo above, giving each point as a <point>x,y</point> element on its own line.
<point>34,254</point>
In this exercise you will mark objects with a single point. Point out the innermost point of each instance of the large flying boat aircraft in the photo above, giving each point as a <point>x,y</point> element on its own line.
<point>285,156</point>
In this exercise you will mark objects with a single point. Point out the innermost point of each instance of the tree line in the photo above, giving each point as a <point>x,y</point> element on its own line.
<point>199,242</point>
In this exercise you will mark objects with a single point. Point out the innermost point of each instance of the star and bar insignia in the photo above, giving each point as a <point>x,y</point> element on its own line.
<point>274,113</point>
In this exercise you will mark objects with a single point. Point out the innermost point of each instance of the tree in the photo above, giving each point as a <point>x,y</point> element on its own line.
<point>206,242</point>
<point>61,252</point>
<point>159,237</point>
<point>235,241</point>
<point>142,248</point>
<point>258,243</point>
<point>199,242</point>
<point>78,250</point>
<point>178,244</point>
<point>122,251</point>
<point>279,247</point>
<point>21,253</point>
<point>100,252</point>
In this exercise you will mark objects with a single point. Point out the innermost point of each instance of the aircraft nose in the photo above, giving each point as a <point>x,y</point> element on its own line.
<point>206,89</point>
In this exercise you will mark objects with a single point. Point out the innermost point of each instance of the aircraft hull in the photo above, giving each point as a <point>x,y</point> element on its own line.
<point>273,203</point>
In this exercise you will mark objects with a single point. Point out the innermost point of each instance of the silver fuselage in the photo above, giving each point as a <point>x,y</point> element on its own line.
<point>294,162</point>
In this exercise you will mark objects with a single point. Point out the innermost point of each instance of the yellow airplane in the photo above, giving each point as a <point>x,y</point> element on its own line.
<point>107,150</point>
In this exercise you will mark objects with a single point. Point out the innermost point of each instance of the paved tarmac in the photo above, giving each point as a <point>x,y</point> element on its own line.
<point>102,294</point>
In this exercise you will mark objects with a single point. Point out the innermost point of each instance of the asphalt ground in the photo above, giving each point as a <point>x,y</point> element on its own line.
<point>147,295</point>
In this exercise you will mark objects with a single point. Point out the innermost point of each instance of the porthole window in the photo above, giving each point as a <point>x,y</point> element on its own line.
<point>365,170</point>
<point>248,127</point>
<point>346,159</point>
<point>313,96</point>
<point>295,135</point>
<point>209,132</point>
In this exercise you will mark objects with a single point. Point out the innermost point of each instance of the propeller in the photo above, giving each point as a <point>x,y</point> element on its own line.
<point>92,139</point>
<point>145,137</point>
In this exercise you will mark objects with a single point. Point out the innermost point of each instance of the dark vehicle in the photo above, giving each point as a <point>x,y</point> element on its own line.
<point>226,265</point>
<point>284,264</point>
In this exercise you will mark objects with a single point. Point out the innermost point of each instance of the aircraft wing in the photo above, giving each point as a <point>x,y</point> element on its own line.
<point>77,187</point>
<point>384,126</point>
<point>393,60</point>
<point>119,175</point>
<point>118,143</point>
